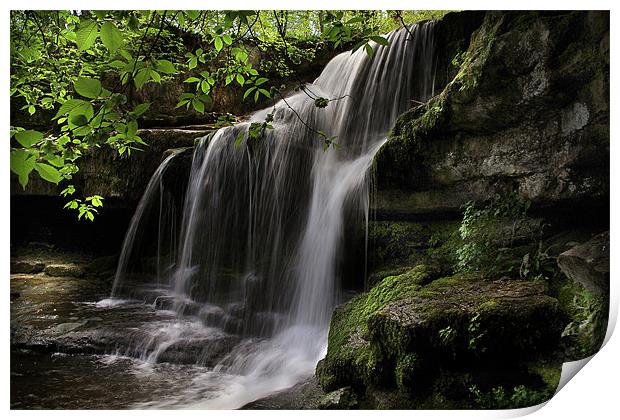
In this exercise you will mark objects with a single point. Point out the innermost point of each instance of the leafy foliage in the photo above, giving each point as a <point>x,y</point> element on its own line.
<point>84,68</point>
<point>481,230</point>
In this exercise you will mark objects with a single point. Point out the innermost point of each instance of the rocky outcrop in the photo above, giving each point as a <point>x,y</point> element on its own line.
<point>588,264</point>
<point>528,111</point>
<point>406,337</point>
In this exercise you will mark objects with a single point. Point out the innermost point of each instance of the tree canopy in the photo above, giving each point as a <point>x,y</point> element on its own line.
<point>83,68</point>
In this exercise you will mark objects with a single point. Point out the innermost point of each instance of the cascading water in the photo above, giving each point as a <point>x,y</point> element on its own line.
<point>262,233</point>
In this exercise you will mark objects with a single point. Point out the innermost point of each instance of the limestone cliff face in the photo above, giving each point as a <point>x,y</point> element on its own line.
<point>528,111</point>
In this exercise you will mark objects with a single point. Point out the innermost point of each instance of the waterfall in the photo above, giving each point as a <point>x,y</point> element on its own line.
<point>155,194</point>
<point>262,234</point>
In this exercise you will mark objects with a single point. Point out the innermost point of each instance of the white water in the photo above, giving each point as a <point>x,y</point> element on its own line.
<point>262,237</point>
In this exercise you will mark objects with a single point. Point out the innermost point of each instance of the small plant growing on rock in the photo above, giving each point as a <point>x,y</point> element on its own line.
<point>538,266</point>
<point>475,334</point>
<point>485,229</point>
<point>446,335</point>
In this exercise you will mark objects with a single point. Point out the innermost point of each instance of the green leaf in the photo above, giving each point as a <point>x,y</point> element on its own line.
<point>118,64</point>
<point>84,108</point>
<point>97,200</point>
<point>88,87</point>
<point>86,34</point>
<point>248,92</point>
<point>141,109</point>
<point>380,40</point>
<point>198,105</point>
<point>260,81</point>
<point>48,172</point>
<point>56,161</point>
<point>73,204</point>
<point>28,138</point>
<point>68,191</point>
<point>166,66</point>
<point>227,39</point>
<point>240,79</point>
<point>132,129</point>
<point>218,43</point>
<point>155,76</point>
<point>22,163</point>
<point>111,36</point>
<point>369,50</point>
<point>142,77</point>
<point>191,80</point>
<point>357,46</point>
<point>78,120</point>
<point>126,55</point>
<point>356,19</point>
<point>192,14</point>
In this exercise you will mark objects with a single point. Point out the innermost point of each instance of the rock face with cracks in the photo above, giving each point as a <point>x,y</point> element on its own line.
<point>527,111</point>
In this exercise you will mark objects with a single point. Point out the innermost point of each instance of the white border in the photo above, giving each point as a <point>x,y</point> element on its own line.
<point>592,395</point>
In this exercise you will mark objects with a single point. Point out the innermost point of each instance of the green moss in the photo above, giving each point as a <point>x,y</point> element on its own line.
<point>406,371</point>
<point>350,355</point>
<point>395,242</point>
<point>378,275</point>
<point>474,60</point>
<point>489,305</point>
<point>396,247</point>
<point>549,372</point>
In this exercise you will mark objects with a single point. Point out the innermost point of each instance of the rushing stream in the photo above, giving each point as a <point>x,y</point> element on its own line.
<point>250,265</point>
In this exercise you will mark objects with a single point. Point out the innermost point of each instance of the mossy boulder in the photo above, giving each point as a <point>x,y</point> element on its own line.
<point>402,334</point>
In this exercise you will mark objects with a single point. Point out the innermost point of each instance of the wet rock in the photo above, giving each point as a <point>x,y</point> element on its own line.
<point>102,265</point>
<point>306,395</point>
<point>165,303</point>
<point>207,351</point>
<point>232,325</point>
<point>341,399</point>
<point>211,315</point>
<point>26,267</point>
<point>64,270</point>
<point>64,328</point>
<point>236,310</point>
<point>181,306</point>
<point>588,264</point>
